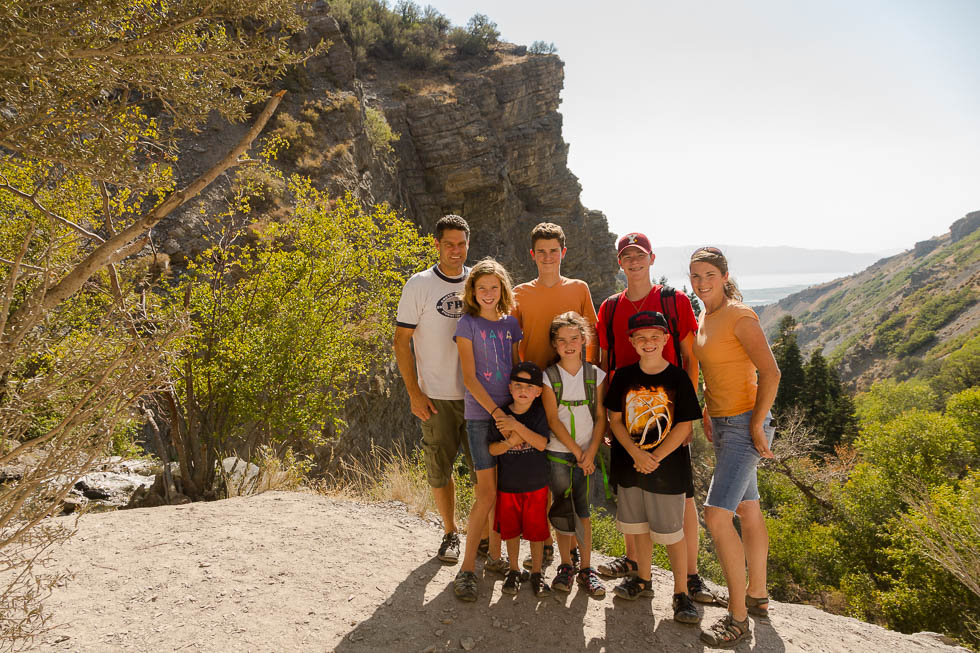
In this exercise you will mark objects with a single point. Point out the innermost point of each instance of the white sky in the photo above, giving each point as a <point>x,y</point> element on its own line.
<point>843,124</point>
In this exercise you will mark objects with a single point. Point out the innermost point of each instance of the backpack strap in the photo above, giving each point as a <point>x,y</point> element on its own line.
<point>613,301</point>
<point>589,375</point>
<point>668,301</point>
<point>554,377</point>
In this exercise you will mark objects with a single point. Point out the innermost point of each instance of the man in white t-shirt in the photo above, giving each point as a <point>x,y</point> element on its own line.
<point>430,305</point>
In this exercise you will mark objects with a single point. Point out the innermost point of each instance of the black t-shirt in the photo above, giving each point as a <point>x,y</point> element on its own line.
<point>651,405</point>
<point>524,469</point>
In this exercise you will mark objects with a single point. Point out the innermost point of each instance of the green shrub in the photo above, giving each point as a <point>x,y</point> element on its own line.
<point>379,131</point>
<point>479,36</point>
<point>540,47</point>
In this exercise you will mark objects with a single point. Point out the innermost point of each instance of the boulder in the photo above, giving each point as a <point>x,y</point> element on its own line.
<point>242,477</point>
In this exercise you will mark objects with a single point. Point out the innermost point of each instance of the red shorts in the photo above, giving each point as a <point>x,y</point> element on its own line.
<point>522,514</point>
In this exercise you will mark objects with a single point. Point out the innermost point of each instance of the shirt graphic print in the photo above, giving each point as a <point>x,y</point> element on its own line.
<point>495,343</point>
<point>649,414</point>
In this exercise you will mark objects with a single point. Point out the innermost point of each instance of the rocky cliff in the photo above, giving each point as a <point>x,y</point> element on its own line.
<point>480,137</point>
<point>901,313</point>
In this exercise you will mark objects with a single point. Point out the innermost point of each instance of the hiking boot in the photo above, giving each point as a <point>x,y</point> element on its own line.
<point>684,610</point>
<point>621,566</point>
<point>464,586</point>
<point>546,559</point>
<point>576,559</point>
<point>563,579</point>
<point>633,587</point>
<point>483,551</point>
<point>700,592</point>
<point>449,549</point>
<point>512,583</point>
<point>589,581</point>
<point>540,587</point>
<point>497,565</point>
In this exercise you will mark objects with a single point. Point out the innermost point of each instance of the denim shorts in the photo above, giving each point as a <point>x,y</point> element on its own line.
<point>736,459</point>
<point>565,507</point>
<point>478,434</point>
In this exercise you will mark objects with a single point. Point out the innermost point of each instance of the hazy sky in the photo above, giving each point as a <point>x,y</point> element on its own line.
<point>845,124</point>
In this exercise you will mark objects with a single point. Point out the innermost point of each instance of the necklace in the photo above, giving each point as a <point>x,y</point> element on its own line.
<point>636,309</point>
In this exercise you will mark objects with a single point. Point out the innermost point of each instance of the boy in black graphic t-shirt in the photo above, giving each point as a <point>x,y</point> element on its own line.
<point>651,405</point>
<point>518,439</point>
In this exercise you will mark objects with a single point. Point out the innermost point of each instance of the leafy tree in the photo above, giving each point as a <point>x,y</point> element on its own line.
<point>888,399</point>
<point>479,36</point>
<point>540,47</point>
<point>93,97</point>
<point>284,325</point>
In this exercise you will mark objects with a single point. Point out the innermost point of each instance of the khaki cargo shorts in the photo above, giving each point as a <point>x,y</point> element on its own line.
<point>442,436</point>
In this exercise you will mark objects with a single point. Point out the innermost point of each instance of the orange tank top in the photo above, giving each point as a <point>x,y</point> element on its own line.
<point>730,377</point>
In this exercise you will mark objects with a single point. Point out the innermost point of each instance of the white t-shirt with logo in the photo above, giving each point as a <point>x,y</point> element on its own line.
<point>573,389</point>
<point>432,303</point>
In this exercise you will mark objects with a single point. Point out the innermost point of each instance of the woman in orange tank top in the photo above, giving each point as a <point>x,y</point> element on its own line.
<point>731,348</point>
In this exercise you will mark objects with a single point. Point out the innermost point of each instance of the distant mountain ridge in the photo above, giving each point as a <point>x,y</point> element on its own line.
<point>769,260</point>
<point>898,314</point>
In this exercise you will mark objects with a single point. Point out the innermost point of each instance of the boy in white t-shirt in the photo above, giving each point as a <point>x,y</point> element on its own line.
<point>572,399</point>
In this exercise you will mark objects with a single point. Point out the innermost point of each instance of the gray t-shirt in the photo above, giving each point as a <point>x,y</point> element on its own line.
<point>431,303</point>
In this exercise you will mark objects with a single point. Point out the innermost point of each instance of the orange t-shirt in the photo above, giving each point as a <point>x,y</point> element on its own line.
<point>537,305</point>
<point>730,377</point>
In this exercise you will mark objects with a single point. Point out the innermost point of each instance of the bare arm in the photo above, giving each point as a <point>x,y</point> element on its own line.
<point>691,367</point>
<point>678,435</point>
<point>503,446</point>
<point>598,431</point>
<point>753,340</point>
<point>642,460</point>
<point>473,385</point>
<point>422,406</point>
<point>508,424</point>
<point>550,402</point>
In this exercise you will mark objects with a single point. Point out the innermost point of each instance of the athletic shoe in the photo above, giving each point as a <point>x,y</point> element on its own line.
<point>563,579</point>
<point>633,587</point>
<point>589,581</point>
<point>497,565</point>
<point>464,586</point>
<point>449,549</point>
<point>684,610</point>
<point>512,583</point>
<point>701,593</point>
<point>621,566</point>
<point>483,551</point>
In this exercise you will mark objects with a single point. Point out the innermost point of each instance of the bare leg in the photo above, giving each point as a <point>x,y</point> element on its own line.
<point>691,535</point>
<point>564,543</point>
<point>585,550</point>
<point>756,541</point>
<point>537,555</point>
<point>677,553</point>
<point>445,498</point>
<point>631,546</point>
<point>486,497</point>
<point>731,555</point>
<point>513,552</point>
<point>643,548</point>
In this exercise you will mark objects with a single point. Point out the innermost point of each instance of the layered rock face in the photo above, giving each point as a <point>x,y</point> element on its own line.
<point>482,139</point>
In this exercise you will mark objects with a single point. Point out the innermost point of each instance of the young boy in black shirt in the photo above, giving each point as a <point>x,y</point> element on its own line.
<point>518,439</point>
<point>651,405</point>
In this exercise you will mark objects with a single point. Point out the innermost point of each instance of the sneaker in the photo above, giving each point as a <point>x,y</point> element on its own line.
<point>464,586</point>
<point>684,610</point>
<point>589,581</point>
<point>540,587</point>
<point>483,551</point>
<point>549,557</point>
<point>449,549</point>
<point>633,587</point>
<point>576,559</point>
<point>497,565</point>
<point>701,593</point>
<point>621,566</point>
<point>513,582</point>
<point>563,579</point>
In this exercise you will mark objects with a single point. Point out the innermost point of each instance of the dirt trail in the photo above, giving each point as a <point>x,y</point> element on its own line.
<point>302,572</point>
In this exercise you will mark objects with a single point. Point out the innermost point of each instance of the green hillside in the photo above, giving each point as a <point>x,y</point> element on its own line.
<point>901,317</point>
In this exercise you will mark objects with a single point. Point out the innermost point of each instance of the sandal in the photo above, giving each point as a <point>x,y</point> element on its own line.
<point>621,566</point>
<point>483,551</point>
<point>497,565</point>
<point>633,587</point>
<point>546,559</point>
<point>726,632</point>
<point>755,606</point>
<point>513,582</point>
<point>541,589</point>
<point>700,592</point>
<point>589,581</point>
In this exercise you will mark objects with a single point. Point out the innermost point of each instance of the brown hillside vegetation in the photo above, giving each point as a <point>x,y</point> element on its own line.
<point>899,314</point>
<point>303,572</point>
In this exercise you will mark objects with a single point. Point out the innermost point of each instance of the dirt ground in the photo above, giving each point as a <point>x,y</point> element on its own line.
<point>303,572</point>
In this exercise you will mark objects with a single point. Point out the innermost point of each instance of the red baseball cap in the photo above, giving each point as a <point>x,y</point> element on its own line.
<point>634,239</point>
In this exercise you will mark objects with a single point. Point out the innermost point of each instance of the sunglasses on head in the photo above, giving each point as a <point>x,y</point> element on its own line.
<point>710,250</point>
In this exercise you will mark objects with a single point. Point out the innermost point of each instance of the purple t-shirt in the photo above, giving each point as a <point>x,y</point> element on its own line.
<point>493,356</point>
